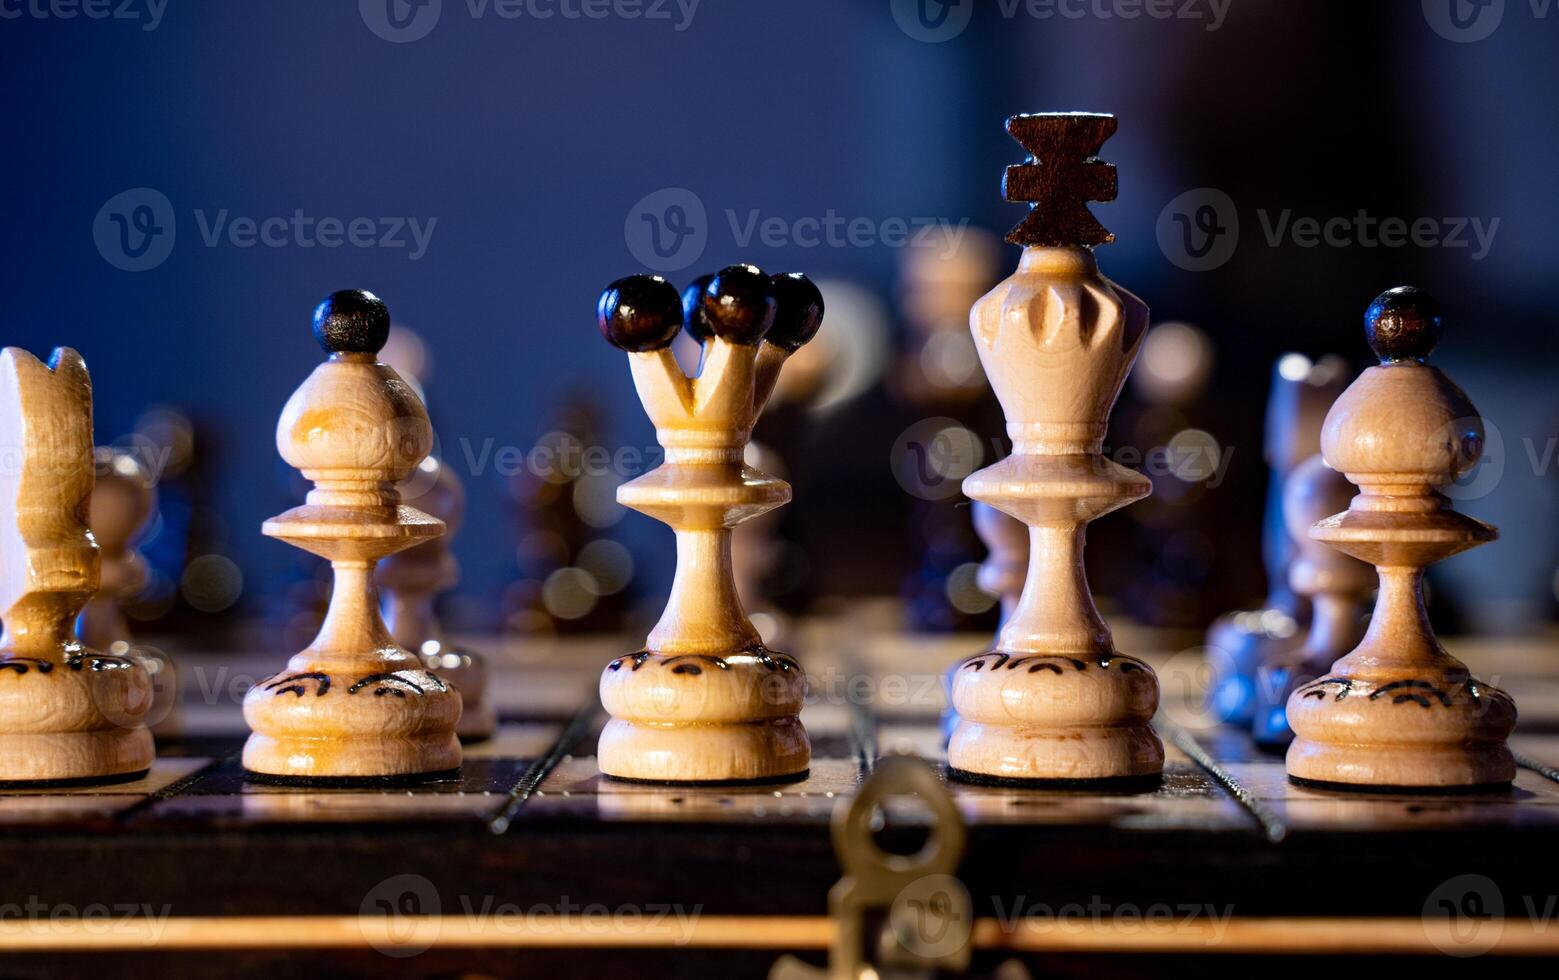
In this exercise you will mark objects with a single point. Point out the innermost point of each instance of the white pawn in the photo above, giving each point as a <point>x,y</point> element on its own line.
<point>1399,711</point>
<point>354,707</point>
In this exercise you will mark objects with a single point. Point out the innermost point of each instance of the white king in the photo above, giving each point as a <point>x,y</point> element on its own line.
<point>1055,700</point>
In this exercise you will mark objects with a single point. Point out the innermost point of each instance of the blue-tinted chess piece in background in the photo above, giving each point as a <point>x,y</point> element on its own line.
<point>1240,644</point>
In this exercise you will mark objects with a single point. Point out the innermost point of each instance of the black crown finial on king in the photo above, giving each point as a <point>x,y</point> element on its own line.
<point>351,321</point>
<point>1402,325</point>
<point>740,304</point>
<point>1063,173</point>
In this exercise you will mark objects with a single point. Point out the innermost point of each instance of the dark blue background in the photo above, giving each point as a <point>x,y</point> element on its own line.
<point>530,140</point>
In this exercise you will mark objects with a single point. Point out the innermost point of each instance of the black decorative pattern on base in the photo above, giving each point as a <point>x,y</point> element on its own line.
<point>1406,691</point>
<point>1053,662</point>
<point>693,664</point>
<point>293,684</point>
<point>93,661</point>
<point>398,683</point>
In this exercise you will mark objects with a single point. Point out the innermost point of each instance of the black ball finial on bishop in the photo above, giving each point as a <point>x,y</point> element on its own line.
<point>351,321</point>
<point>798,313</point>
<point>639,313</point>
<point>1403,325</point>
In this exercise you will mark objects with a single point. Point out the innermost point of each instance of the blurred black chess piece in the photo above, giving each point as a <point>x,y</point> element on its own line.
<point>1240,643</point>
<point>939,386</point>
<point>191,583</point>
<point>573,576</point>
<point>1159,562</point>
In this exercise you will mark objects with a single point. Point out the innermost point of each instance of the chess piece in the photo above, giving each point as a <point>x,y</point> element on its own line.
<point>68,714</point>
<point>1243,643</point>
<point>938,377</point>
<point>573,577</point>
<point>123,497</point>
<point>1162,564</point>
<point>1054,700</point>
<point>353,707</point>
<point>412,580</point>
<point>1007,555</point>
<point>1399,711</point>
<point>1337,586</point>
<point>705,701</point>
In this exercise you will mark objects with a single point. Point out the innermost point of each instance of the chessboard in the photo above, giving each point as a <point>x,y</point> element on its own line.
<point>532,860</point>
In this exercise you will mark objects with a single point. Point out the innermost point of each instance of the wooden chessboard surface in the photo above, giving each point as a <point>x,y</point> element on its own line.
<point>530,824</point>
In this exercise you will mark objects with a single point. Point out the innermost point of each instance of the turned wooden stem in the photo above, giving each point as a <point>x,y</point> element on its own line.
<point>1399,637</point>
<point>1056,612</point>
<point>704,613</point>
<point>353,616</point>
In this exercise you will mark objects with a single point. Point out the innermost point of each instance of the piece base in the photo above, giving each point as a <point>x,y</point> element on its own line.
<point>114,779</point>
<point>1053,755</point>
<point>351,782</point>
<point>1469,790</point>
<point>1110,784</point>
<point>701,755</point>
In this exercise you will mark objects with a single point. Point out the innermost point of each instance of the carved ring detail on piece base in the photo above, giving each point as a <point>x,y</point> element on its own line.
<point>1402,733</point>
<point>701,718</point>
<point>77,721</point>
<point>1055,717</point>
<point>391,723</point>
